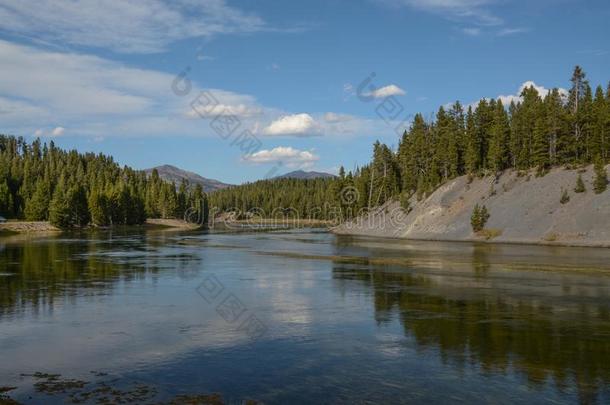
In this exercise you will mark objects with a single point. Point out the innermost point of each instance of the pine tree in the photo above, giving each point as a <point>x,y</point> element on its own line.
<point>580,185</point>
<point>182,198</point>
<point>541,143</point>
<point>386,183</point>
<point>98,207</point>
<point>37,207</point>
<point>600,184</point>
<point>77,202</point>
<point>473,144</point>
<point>446,152</point>
<point>456,146</point>
<point>59,208</point>
<point>587,125</point>
<point>574,105</point>
<point>484,215</point>
<point>479,218</point>
<point>499,139</point>
<point>405,201</point>
<point>600,120</point>
<point>6,200</point>
<point>557,128</point>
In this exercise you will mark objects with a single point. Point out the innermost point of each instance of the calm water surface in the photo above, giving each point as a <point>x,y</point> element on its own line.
<point>302,317</point>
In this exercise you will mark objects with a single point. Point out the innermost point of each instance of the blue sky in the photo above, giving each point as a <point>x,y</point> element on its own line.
<point>103,75</point>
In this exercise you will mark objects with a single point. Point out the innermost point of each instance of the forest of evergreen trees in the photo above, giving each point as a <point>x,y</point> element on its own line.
<point>538,132</point>
<point>40,182</point>
<point>301,198</point>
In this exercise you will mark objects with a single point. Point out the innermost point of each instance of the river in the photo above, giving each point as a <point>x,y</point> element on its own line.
<point>300,316</point>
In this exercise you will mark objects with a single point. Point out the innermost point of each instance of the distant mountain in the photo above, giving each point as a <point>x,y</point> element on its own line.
<point>172,173</point>
<point>301,174</point>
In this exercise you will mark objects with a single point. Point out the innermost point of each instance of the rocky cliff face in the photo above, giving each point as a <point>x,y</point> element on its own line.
<point>523,209</point>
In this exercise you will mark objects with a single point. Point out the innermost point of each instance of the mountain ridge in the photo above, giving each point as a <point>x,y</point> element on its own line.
<point>305,175</point>
<point>176,174</point>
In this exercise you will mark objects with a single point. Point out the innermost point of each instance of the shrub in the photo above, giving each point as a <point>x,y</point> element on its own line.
<point>551,237</point>
<point>565,197</point>
<point>405,201</point>
<point>479,218</point>
<point>489,234</point>
<point>580,185</point>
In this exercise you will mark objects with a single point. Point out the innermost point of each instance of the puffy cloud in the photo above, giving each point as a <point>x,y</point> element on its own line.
<point>387,91</point>
<point>286,155</point>
<point>542,91</point>
<point>55,132</point>
<point>58,131</point>
<point>295,125</point>
<point>142,26</point>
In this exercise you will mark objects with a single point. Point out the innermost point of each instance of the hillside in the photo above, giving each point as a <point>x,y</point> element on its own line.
<point>175,174</point>
<point>303,175</point>
<point>523,209</point>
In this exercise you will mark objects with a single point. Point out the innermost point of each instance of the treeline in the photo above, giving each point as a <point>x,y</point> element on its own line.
<point>302,198</point>
<point>537,131</point>
<point>40,182</point>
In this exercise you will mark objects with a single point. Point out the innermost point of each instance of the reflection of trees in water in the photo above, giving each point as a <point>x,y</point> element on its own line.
<point>495,332</point>
<point>480,259</point>
<point>49,270</point>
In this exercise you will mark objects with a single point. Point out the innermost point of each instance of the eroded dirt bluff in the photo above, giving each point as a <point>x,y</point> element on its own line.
<point>523,209</point>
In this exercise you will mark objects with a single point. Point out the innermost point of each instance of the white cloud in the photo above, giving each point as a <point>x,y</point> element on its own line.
<point>472,11</point>
<point>516,98</point>
<point>473,32</point>
<point>202,57</point>
<point>12,110</point>
<point>76,83</point>
<point>142,26</point>
<point>96,97</point>
<point>296,125</point>
<point>332,117</point>
<point>224,110</point>
<point>387,91</point>
<point>54,132</point>
<point>58,131</point>
<point>286,155</point>
<point>512,31</point>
